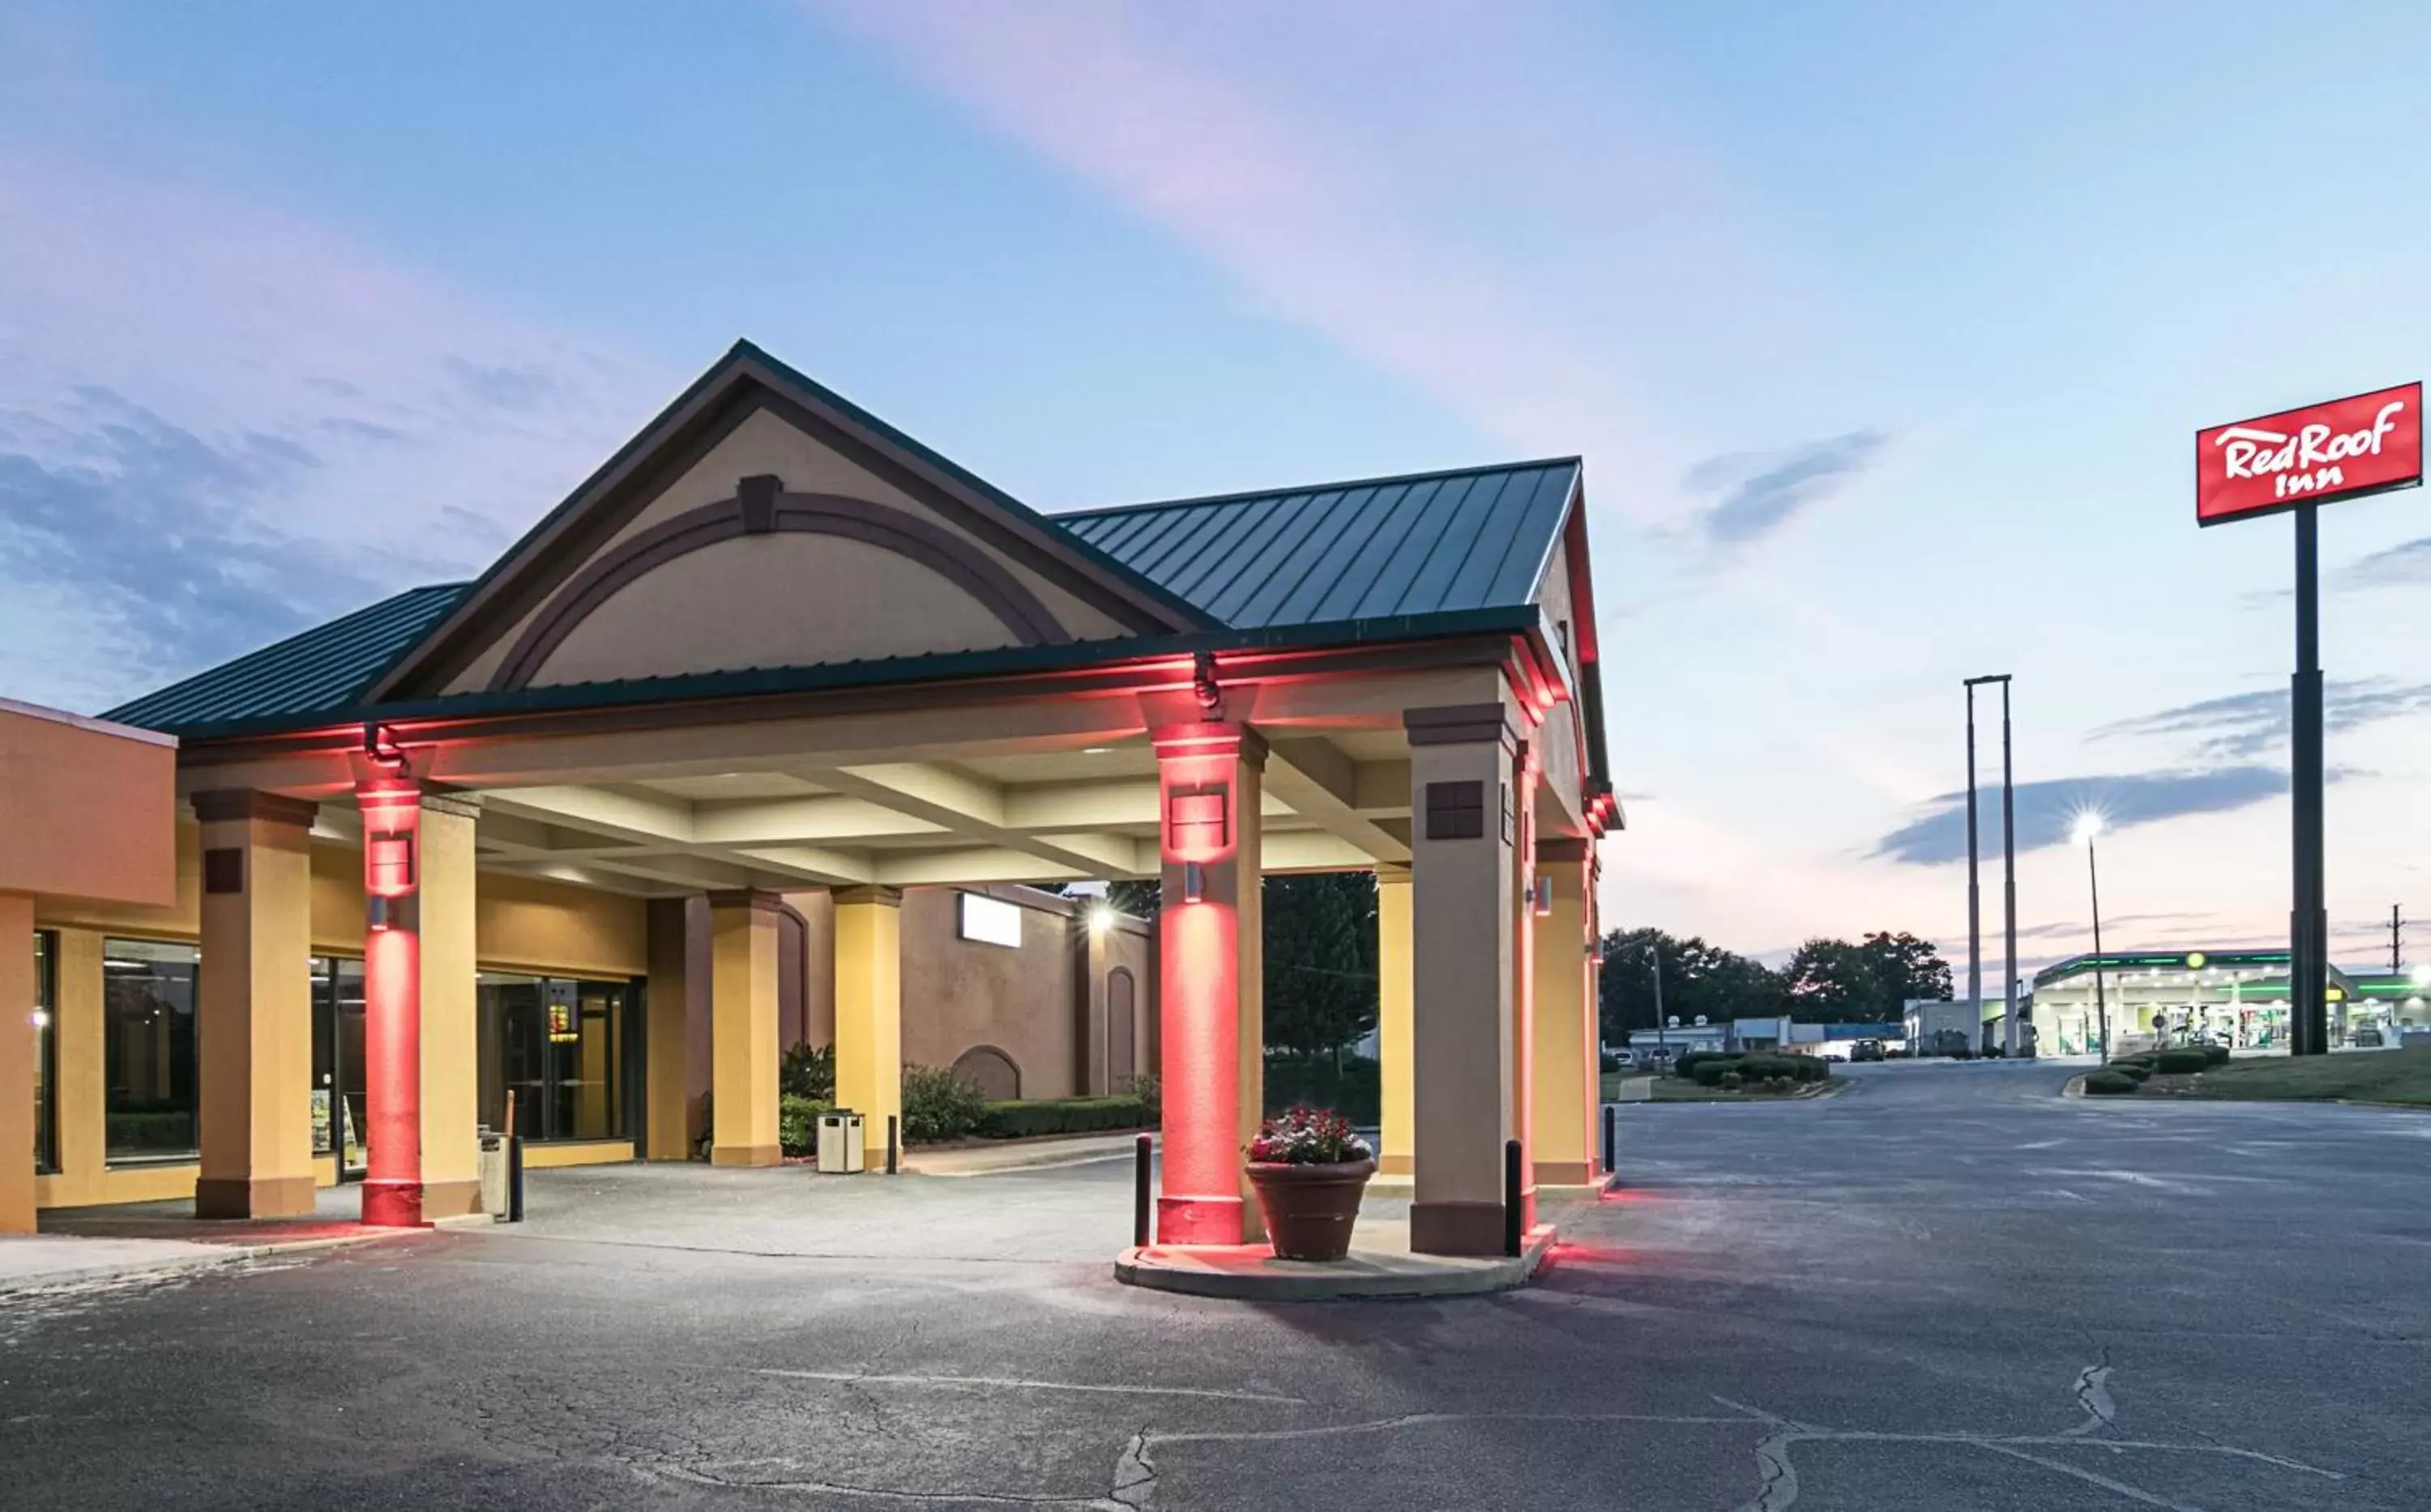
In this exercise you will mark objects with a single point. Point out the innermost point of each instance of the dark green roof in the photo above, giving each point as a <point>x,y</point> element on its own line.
<point>1391,558</point>
<point>1426,543</point>
<point>319,671</point>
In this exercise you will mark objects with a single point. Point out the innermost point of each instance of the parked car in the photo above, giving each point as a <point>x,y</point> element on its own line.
<point>1866,1050</point>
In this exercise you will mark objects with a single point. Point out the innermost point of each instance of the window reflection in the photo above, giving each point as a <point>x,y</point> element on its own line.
<point>46,1072</point>
<point>149,1049</point>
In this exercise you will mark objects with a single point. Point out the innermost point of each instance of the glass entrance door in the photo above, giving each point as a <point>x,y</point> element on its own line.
<point>338,1105</point>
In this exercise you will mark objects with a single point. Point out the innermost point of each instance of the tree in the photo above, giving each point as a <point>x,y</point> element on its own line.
<point>1140,899</point>
<point>1698,979</point>
<point>1833,982</point>
<point>1320,961</point>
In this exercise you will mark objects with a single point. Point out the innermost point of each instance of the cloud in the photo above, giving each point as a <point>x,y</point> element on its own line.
<point>1764,491</point>
<point>156,527</point>
<point>220,422</point>
<point>2046,812</point>
<point>2403,565</point>
<point>2239,726</point>
<point>1259,160</point>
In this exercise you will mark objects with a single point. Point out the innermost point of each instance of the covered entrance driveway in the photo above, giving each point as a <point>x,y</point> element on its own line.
<point>776,647</point>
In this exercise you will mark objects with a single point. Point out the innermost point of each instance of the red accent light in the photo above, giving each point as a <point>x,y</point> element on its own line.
<point>1201,1069</point>
<point>393,1078</point>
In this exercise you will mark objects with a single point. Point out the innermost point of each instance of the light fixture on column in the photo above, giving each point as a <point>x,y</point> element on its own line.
<point>1543,895</point>
<point>1194,881</point>
<point>1202,683</point>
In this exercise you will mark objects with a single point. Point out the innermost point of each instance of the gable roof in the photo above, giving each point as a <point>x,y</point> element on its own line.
<point>320,671</point>
<point>745,380</point>
<point>1420,543</point>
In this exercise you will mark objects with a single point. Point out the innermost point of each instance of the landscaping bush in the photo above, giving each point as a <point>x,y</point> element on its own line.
<point>2110,1084</point>
<point>1152,1092</point>
<point>1708,1070</point>
<point>809,1071</point>
<point>1024,1119</point>
<point>1687,1064</point>
<point>798,1123</point>
<point>2215,1055</point>
<point>939,1105</point>
<point>2136,1070</point>
<point>2181,1062</point>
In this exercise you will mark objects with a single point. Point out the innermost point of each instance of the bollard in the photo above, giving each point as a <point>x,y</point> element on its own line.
<point>515,1178</point>
<point>1140,1206</point>
<point>1513,1197</point>
<point>1611,1136</point>
<point>894,1146</point>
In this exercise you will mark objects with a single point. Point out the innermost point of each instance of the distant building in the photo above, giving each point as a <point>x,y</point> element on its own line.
<point>2238,997</point>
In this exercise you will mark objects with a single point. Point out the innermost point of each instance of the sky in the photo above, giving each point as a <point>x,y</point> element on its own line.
<point>1884,330</point>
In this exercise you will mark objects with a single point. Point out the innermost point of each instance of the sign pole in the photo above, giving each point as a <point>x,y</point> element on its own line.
<point>2308,922</point>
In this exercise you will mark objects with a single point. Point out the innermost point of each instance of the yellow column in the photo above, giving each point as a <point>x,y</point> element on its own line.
<point>451,1039</point>
<point>1464,907</point>
<point>743,1028</point>
<point>1567,1074</point>
<point>1393,997</point>
<point>254,1020</point>
<point>869,1009</point>
<point>17,1039</point>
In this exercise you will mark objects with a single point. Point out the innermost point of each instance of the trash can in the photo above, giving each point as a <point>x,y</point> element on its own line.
<point>841,1151</point>
<point>494,1174</point>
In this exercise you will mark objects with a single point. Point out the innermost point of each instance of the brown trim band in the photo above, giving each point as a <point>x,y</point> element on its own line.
<point>761,507</point>
<point>239,804</point>
<point>871,893</point>
<point>751,898</point>
<point>1460,724</point>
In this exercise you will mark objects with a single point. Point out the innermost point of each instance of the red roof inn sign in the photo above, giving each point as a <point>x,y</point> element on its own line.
<point>2365,445</point>
<point>2295,461</point>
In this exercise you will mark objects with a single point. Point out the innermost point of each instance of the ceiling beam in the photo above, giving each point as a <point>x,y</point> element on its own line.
<point>977,810</point>
<point>1321,784</point>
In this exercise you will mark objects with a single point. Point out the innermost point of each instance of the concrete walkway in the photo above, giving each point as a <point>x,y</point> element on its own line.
<point>1022,1155</point>
<point>33,1261</point>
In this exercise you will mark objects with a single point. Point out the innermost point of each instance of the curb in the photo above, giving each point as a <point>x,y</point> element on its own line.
<point>221,1255</point>
<point>1461,1278</point>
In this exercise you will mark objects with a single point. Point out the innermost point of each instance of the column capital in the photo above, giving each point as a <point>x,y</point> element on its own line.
<point>868,893</point>
<point>1392,874</point>
<point>237,805</point>
<point>752,898</point>
<point>1460,724</point>
<point>1234,738</point>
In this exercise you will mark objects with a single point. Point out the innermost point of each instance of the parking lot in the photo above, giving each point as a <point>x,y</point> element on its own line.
<point>1944,1288</point>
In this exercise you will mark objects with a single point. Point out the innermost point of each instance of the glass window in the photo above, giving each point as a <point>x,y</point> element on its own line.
<point>557,1045</point>
<point>149,1049</point>
<point>46,1039</point>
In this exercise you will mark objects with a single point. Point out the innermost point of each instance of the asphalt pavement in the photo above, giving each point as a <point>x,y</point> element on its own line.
<point>1945,1289</point>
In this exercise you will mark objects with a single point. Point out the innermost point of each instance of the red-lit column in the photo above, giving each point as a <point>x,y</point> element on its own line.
<point>1210,938</point>
<point>391,810</point>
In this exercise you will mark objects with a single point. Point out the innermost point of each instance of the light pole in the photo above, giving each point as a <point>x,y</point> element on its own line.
<point>2011,1035</point>
<point>1662,1040</point>
<point>2088,827</point>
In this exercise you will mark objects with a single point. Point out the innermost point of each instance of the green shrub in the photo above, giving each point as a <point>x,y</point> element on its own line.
<point>2110,1084</point>
<point>1730,1080</point>
<point>1708,1070</point>
<point>1151,1092</point>
<point>1687,1064</point>
<point>2142,1058</point>
<point>809,1073</point>
<point>2215,1055</point>
<point>1028,1117</point>
<point>798,1123</point>
<point>2136,1070</point>
<point>939,1105</point>
<point>2181,1062</point>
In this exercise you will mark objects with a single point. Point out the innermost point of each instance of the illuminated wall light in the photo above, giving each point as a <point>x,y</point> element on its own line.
<point>1194,881</point>
<point>42,1018</point>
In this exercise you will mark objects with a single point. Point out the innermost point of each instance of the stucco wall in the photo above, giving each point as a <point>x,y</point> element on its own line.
<point>959,993</point>
<point>85,807</point>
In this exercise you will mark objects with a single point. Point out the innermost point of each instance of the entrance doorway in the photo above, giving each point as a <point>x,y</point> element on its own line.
<point>338,1105</point>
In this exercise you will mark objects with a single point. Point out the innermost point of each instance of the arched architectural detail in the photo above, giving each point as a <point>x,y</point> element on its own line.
<point>990,1070</point>
<point>761,507</point>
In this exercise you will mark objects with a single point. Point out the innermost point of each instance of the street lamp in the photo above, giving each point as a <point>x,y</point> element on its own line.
<point>2088,827</point>
<point>1662,1040</point>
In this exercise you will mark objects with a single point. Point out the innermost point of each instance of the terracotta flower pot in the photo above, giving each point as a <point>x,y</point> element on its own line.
<point>1310,1209</point>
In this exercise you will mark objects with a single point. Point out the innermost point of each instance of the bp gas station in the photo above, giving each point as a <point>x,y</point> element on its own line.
<point>2233,997</point>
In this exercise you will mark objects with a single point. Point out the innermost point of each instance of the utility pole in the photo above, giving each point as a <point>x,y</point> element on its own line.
<point>1974,894</point>
<point>1662,1041</point>
<point>2396,941</point>
<point>2011,1035</point>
